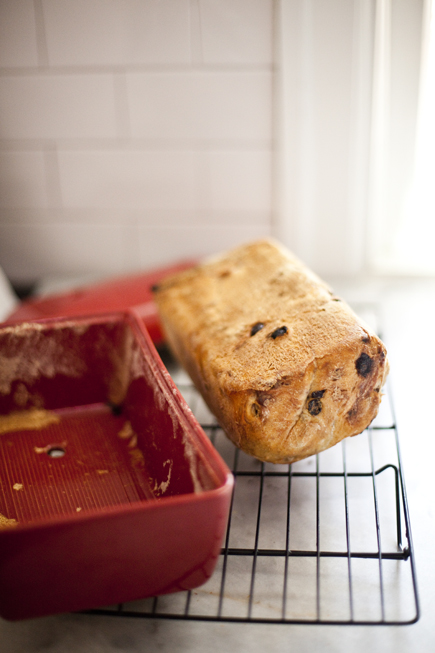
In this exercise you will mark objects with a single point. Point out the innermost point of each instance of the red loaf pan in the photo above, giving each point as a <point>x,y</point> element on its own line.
<point>109,489</point>
<point>115,294</point>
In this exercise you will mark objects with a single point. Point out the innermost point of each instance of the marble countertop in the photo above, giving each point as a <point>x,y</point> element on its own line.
<point>407,312</point>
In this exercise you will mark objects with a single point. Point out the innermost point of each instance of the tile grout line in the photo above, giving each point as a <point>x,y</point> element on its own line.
<point>196,44</point>
<point>135,69</point>
<point>52,176</point>
<point>41,37</point>
<point>123,143</point>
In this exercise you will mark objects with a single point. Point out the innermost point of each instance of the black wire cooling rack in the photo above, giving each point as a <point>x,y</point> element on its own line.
<point>326,540</point>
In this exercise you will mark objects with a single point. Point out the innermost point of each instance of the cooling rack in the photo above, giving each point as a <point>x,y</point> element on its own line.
<point>326,540</point>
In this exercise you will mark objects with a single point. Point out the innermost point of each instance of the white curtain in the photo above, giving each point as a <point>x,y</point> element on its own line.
<point>414,242</point>
<point>355,135</point>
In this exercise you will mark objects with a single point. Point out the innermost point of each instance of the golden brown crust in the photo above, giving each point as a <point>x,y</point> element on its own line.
<point>286,367</point>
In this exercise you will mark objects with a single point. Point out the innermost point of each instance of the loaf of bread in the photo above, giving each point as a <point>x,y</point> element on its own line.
<point>285,366</point>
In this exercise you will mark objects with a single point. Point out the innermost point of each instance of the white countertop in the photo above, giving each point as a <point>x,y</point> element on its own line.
<point>408,316</point>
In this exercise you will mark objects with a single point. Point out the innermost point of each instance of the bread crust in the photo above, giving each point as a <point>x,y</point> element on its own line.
<point>286,367</point>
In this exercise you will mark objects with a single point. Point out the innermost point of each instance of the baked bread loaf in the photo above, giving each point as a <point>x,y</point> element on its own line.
<point>286,367</point>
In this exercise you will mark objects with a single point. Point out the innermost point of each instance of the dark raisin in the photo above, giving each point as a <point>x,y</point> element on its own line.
<point>281,331</point>
<point>364,364</point>
<point>365,339</point>
<point>115,408</point>
<point>263,398</point>
<point>255,409</point>
<point>155,287</point>
<point>352,415</point>
<point>318,394</point>
<point>256,328</point>
<point>314,406</point>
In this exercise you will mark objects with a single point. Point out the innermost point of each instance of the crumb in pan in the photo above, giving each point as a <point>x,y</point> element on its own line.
<point>6,523</point>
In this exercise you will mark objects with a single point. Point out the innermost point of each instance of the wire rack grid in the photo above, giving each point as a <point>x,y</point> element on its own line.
<point>326,540</point>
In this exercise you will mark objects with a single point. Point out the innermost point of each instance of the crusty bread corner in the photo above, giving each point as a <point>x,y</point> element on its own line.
<point>285,365</point>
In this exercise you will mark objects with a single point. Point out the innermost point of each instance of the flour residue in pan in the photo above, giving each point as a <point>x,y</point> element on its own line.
<point>141,370</point>
<point>160,488</point>
<point>122,361</point>
<point>192,459</point>
<point>27,420</point>
<point>39,355</point>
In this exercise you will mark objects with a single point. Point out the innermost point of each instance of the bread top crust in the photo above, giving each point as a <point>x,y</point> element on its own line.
<point>261,334</point>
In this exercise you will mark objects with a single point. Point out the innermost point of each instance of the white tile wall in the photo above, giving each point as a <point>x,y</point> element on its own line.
<point>46,249</point>
<point>200,105</point>
<point>161,244</point>
<point>241,180</point>
<point>132,132</point>
<point>233,33</point>
<point>17,33</point>
<point>117,32</point>
<point>22,180</point>
<point>128,179</point>
<point>57,106</point>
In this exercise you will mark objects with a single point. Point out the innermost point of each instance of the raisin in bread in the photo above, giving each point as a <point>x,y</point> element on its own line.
<point>285,365</point>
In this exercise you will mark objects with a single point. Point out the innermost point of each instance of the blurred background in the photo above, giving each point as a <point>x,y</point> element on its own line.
<point>135,133</point>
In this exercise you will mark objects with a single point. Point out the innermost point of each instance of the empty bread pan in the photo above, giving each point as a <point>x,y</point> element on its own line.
<point>109,489</point>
